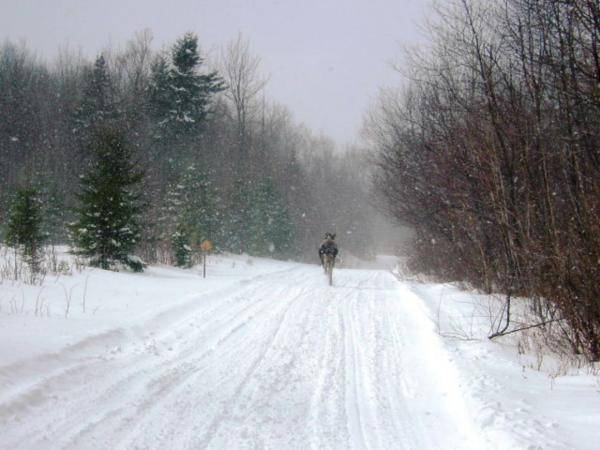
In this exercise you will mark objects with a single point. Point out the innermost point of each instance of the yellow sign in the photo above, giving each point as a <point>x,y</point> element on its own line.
<point>206,246</point>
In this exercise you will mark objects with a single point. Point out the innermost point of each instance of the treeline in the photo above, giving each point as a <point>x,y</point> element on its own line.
<point>492,154</point>
<point>217,159</point>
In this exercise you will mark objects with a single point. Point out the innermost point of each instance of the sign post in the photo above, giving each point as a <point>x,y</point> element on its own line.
<point>206,247</point>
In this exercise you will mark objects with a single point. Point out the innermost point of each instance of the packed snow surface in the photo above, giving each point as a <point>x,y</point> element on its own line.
<point>264,354</point>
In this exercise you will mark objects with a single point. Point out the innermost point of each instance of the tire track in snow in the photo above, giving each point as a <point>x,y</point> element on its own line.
<point>211,430</point>
<point>122,380</point>
<point>197,376</point>
<point>283,361</point>
<point>278,397</point>
<point>181,368</point>
<point>326,420</point>
<point>146,428</point>
<point>353,405</point>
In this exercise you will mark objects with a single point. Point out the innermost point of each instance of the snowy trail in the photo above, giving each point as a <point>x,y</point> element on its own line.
<point>279,361</point>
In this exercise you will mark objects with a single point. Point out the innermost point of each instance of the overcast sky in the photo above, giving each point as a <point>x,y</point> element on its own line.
<point>326,58</point>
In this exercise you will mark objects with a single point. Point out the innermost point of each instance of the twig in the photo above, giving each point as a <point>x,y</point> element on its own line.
<point>37,302</point>
<point>68,297</point>
<point>498,331</point>
<point>524,328</point>
<point>85,290</point>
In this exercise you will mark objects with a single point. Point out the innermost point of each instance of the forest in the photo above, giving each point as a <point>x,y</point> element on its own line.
<point>491,153</point>
<point>176,149</point>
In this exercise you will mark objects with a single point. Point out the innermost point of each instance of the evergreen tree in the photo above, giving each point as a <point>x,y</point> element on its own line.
<point>270,226</point>
<point>179,94</point>
<point>182,252</point>
<point>236,227</point>
<point>160,96</point>
<point>107,229</point>
<point>193,213</point>
<point>97,107</point>
<point>54,220</point>
<point>54,213</point>
<point>199,211</point>
<point>24,228</point>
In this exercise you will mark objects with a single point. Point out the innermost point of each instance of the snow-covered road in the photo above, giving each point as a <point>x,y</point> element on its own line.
<point>279,360</point>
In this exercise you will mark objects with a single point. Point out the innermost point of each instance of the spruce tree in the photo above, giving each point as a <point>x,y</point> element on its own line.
<point>107,229</point>
<point>199,209</point>
<point>237,222</point>
<point>24,228</point>
<point>192,210</point>
<point>179,93</point>
<point>270,227</point>
<point>182,252</point>
<point>160,98</point>
<point>258,220</point>
<point>54,214</point>
<point>54,220</point>
<point>98,106</point>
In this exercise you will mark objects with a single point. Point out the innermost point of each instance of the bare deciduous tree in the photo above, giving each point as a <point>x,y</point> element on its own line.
<point>241,70</point>
<point>491,154</point>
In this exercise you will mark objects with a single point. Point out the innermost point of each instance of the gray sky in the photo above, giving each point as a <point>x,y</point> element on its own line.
<point>326,58</point>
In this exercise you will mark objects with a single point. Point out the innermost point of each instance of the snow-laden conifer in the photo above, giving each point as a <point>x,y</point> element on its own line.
<point>191,214</point>
<point>179,92</point>
<point>107,230</point>
<point>24,227</point>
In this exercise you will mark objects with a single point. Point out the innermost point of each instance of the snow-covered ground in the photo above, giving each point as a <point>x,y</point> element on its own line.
<point>263,354</point>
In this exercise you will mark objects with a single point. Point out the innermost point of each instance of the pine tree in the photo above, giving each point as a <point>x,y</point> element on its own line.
<point>107,230</point>
<point>24,228</point>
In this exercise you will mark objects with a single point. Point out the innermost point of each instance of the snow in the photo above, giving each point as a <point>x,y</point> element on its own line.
<point>263,354</point>
<point>532,399</point>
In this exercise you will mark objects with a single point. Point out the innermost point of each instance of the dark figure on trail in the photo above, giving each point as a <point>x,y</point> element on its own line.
<point>328,250</point>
